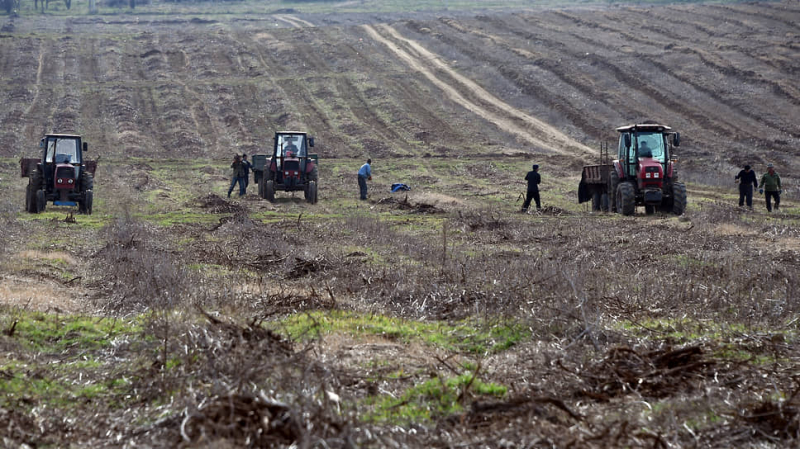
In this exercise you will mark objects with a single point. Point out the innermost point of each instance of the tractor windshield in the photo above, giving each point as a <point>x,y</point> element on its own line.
<point>62,151</point>
<point>291,145</point>
<point>651,144</point>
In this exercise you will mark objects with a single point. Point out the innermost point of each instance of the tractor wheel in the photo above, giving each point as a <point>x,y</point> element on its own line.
<point>604,202</point>
<point>87,181</point>
<point>626,199</point>
<point>312,192</point>
<point>596,201</point>
<point>613,182</point>
<point>85,205</point>
<point>262,191</point>
<point>41,201</point>
<point>678,198</point>
<point>269,191</point>
<point>649,210</point>
<point>34,183</point>
<point>314,176</point>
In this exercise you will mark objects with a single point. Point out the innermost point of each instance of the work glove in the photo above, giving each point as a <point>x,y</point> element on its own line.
<point>760,191</point>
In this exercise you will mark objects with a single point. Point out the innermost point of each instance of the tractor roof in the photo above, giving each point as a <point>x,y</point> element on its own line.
<point>644,127</point>
<point>291,132</point>
<point>71,136</point>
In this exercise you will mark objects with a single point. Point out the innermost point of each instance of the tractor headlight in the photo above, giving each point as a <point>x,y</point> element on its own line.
<point>60,180</point>
<point>71,181</point>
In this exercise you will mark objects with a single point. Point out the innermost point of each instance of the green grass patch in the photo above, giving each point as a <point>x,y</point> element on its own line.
<point>56,333</point>
<point>470,337</point>
<point>431,399</point>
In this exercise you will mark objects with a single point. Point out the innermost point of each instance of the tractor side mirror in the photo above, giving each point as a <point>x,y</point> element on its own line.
<point>41,143</point>
<point>676,139</point>
<point>85,147</point>
<point>627,140</point>
<point>311,142</point>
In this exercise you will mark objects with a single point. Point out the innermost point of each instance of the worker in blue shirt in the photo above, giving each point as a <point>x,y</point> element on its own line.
<point>364,174</point>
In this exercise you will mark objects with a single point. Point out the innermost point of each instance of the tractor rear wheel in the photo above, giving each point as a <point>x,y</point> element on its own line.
<point>85,205</point>
<point>596,201</point>
<point>311,197</point>
<point>41,201</point>
<point>34,183</point>
<point>613,182</point>
<point>269,191</point>
<point>262,192</point>
<point>626,199</point>
<point>678,198</point>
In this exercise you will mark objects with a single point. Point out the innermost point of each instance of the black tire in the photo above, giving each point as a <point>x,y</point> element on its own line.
<point>269,191</point>
<point>604,202</point>
<point>314,176</point>
<point>649,210</point>
<point>34,183</point>
<point>311,197</point>
<point>613,182</point>
<point>678,198</point>
<point>596,201</point>
<point>87,181</point>
<point>626,199</point>
<point>85,205</point>
<point>41,201</point>
<point>262,191</point>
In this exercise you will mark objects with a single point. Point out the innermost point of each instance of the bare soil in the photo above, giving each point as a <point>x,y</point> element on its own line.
<point>644,332</point>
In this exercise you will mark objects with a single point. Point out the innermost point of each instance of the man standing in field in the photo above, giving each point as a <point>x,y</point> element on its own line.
<point>747,182</point>
<point>533,179</point>
<point>771,187</point>
<point>364,174</point>
<point>237,175</point>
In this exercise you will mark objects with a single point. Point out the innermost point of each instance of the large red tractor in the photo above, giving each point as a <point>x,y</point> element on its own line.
<point>61,175</point>
<point>643,174</point>
<point>289,168</point>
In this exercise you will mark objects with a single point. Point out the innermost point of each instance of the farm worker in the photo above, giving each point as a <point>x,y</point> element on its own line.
<point>364,174</point>
<point>237,175</point>
<point>747,182</point>
<point>771,187</point>
<point>533,179</point>
<point>247,166</point>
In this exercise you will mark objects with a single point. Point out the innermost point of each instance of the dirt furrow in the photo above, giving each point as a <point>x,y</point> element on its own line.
<point>533,131</point>
<point>293,20</point>
<point>758,13</point>
<point>699,111</point>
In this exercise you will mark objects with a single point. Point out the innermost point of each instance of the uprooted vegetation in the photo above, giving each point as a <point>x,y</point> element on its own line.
<point>479,325</point>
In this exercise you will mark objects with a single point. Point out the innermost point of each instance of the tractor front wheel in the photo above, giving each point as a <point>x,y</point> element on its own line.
<point>312,192</point>
<point>269,191</point>
<point>626,199</point>
<point>596,201</point>
<point>678,198</point>
<point>41,201</point>
<point>649,210</point>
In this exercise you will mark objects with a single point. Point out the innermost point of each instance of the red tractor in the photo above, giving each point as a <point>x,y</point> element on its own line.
<point>289,168</point>
<point>61,175</point>
<point>643,174</point>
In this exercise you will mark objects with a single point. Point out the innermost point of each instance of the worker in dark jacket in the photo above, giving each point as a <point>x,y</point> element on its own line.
<point>533,179</point>
<point>771,188</point>
<point>247,167</point>
<point>747,182</point>
<point>237,175</point>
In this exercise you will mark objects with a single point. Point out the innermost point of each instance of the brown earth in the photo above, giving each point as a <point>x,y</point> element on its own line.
<point>541,84</point>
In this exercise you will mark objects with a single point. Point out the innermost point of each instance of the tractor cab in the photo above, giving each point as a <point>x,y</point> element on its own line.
<point>62,156</point>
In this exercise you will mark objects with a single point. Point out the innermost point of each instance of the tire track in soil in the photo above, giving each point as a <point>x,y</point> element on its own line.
<point>784,64</point>
<point>754,11</point>
<point>361,110</point>
<point>293,20</point>
<point>699,113</point>
<point>505,118</point>
<point>546,95</point>
<point>727,67</point>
